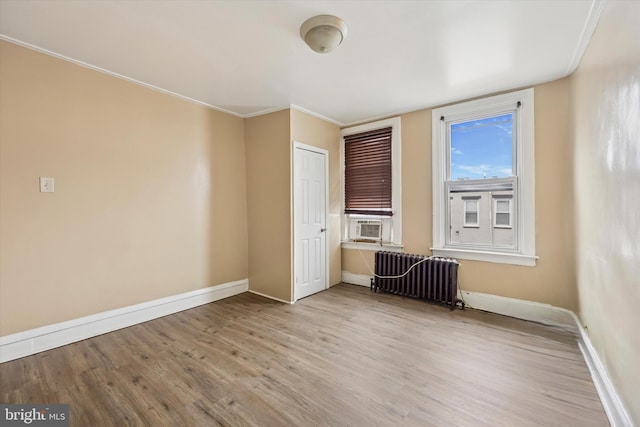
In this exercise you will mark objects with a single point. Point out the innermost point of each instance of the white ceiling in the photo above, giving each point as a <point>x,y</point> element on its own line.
<point>247,57</point>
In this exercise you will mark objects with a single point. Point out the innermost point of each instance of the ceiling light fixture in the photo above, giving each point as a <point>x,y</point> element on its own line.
<point>323,33</point>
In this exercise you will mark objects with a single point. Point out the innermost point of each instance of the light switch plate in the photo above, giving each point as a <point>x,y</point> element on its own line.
<point>46,184</point>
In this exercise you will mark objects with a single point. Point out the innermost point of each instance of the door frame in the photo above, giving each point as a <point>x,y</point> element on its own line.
<point>301,146</point>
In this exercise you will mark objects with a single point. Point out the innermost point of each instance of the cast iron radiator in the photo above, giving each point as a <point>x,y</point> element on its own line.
<point>434,279</point>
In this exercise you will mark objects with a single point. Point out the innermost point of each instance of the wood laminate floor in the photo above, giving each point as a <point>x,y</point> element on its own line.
<point>343,357</point>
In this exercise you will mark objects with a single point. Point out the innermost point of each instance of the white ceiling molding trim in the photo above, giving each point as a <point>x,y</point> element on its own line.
<point>264,112</point>
<point>587,33</point>
<point>316,115</point>
<point>112,74</point>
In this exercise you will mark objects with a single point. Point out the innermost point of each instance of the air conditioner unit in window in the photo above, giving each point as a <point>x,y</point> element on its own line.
<point>369,229</point>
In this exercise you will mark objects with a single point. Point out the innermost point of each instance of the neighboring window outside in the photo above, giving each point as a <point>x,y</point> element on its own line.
<point>502,209</point>
<point>471,213</point>
<point>370,158</point>
<point>483,172</point>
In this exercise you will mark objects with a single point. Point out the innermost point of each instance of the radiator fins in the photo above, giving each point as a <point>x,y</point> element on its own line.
<point>435,279</point>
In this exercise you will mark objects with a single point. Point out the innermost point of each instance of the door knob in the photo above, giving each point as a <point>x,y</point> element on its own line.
<point>322,230</point>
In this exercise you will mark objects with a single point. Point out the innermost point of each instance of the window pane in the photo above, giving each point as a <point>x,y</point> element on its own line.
<point>471,217</point>
<point>481,148</point>
<point>471,206</point>
<point>502,218</point>
<point>502,206</point>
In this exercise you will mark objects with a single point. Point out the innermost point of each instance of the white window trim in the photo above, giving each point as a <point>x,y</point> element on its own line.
<point>363,246</point>
<point>525,167</point>
<point>396,187</point>
<point>495,212</point>
<point>477,212</point>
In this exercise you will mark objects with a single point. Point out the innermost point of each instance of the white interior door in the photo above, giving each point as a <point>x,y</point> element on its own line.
<point>310,220</point>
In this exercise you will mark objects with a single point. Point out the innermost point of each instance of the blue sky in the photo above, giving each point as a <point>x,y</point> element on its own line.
<point>482,148</point>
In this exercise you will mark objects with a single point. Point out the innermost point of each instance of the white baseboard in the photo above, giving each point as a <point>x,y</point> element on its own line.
<point>551,315</point>
<point>356,279</point>
<point>616,412</point>
<point>520,309</point>
<point>47,337</point>
<point>270,297</point>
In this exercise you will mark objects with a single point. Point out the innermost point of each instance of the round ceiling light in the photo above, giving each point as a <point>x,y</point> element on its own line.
<point>323,33</point>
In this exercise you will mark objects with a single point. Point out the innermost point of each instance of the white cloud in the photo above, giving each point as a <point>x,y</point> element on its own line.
<point>505,129</point>
<point>485,170</point>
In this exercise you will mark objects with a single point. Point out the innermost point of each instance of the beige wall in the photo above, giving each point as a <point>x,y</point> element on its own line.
<point>606,143</point>
<point>552,281</point>
<point>269,140</point>
<point>149,193</point>
<point>319,133</point>
<point>152,194</point>
<point>268,147</point>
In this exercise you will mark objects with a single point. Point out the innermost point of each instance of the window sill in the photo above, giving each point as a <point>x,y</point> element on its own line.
<point>496,257</point>
<point>391,247</point>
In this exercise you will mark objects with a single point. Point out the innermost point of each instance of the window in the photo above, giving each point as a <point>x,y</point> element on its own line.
<point>367,173</point>
<point>483,179</point>
<point>502,209</point>
<point>370,159</point>
<point>471,212</point>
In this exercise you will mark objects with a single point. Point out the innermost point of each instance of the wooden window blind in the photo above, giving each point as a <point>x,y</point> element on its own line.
<point>367,172</point>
